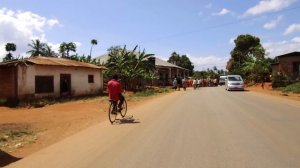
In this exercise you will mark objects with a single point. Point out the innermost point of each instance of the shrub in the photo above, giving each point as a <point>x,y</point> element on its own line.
<point>294,88</point>
<point>280,80</point>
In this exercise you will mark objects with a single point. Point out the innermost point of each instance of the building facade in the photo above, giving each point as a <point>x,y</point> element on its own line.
<point>40,77</point>
<point>288,64</point>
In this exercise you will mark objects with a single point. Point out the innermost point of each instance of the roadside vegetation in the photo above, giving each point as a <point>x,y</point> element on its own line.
<point>16,135</point>
<point>292,88</point>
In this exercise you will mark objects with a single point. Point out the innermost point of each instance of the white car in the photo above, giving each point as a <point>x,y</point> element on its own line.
<point>234,82</point>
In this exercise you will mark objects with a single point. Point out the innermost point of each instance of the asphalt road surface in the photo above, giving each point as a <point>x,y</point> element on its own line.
<point>209,128</point>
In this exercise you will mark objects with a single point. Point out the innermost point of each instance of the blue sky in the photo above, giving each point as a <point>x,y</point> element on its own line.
<point>204,30</point>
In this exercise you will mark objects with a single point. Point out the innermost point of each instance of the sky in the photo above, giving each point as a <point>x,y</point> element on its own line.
<point>203,30</point>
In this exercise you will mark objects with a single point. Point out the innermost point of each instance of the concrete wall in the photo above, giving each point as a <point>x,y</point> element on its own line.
<point>79,80</point>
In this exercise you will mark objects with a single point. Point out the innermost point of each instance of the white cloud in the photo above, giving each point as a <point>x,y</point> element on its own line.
<point>272,24</point>
<point>52,22</point>
<point>275,48</point>
<point>204,62</point>
<point>292,29</point>
<point>268,6</point>
<point>224,11</point>
<point>296,40</point>
<point>21,27</point>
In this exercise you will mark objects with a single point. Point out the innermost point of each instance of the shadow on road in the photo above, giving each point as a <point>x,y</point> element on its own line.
<point>127,120</point>
<point>6,159</point>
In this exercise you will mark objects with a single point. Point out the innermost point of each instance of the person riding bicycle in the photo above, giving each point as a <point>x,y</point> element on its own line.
<point>115,89</point>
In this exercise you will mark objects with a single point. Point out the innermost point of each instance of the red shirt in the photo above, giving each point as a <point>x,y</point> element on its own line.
<point>114,89</point>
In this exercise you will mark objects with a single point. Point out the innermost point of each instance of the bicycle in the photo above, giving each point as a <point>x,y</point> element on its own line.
<point>113,110</point>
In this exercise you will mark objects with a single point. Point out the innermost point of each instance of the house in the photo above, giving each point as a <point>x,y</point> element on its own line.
<point>288,64</point>
<point>165,71</point>
<point>39,77</point>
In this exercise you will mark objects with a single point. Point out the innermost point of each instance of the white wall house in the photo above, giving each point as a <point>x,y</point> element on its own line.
<point>39,77</point>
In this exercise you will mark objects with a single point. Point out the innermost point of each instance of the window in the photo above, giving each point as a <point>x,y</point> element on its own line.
<point>91,78</point>
<point>44,84</point>
<point>296,67</point>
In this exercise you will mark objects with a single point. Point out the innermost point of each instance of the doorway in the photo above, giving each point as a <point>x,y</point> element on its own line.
<point>65,85</point>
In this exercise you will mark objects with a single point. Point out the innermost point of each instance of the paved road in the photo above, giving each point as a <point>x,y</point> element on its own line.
<point>207,128</point>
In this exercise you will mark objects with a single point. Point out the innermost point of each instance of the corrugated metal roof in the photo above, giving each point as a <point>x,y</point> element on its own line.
<point>292,54</point>
<point>53,61</point>
<point>158,62</point>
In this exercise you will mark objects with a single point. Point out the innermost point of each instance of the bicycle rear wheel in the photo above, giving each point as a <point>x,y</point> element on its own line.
<point>124,110</point>
<point>112,113</point>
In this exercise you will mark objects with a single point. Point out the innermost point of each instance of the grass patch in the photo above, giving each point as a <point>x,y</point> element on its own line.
<point>294,88</point>
<point>15,135</point>
<point>150,92</point>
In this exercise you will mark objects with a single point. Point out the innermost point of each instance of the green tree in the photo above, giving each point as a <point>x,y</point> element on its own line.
<point>247,47</point>
<point>132,66</point>
<point>182,61</point>
<point>65,48</point>
<point>49,52</point>
<point>37,48</point>
<point>9,47</point>
<point>93,42</point>
<point>256,69</point>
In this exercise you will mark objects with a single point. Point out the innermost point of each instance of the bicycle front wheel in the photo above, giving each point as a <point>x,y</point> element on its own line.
<point>112,113</point>
<point>124,110</point>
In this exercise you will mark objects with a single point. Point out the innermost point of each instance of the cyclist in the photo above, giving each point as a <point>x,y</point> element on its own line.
<point>115,89</point>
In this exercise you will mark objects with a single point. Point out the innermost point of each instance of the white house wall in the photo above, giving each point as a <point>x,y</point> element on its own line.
<point>79,80</point>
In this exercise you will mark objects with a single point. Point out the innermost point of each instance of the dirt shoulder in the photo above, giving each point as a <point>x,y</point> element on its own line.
<point>24,131</point>
<point>268,90</point>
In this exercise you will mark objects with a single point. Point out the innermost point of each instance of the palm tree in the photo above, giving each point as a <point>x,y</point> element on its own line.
<point>65,48</point>
<point>49,52</point>
<point>38,48</point>
<point>9,47</point>
<point>93,42</point>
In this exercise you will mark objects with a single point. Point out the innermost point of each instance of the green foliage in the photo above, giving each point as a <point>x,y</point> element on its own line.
<point>209,73</point>
<point>9,47</point>
<point>133,67</point>
<point>294,88</point>
<point>247,49</point>
<point>38,48</point>
<point>182,61</point>
<point>48,52</point>
<point>93,42</point>
<point>65,48</point>
<point>150,92</point>
<point>280,80</point>
<point>256,69</point>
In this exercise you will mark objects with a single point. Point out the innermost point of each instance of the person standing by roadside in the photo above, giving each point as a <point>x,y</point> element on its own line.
<point>195,84</point>
<point>184,84</point>
<point>175,84</point>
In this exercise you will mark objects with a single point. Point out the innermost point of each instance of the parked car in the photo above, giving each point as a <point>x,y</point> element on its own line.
<point>222,80</point>
<point>234,82</point>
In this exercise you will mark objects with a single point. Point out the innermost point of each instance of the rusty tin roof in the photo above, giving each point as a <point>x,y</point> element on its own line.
<point>52,61</point>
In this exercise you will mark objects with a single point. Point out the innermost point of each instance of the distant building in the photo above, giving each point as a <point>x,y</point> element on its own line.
<point>165,71</point>
<point>39,77</point>
<point>288,64</point>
